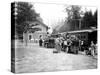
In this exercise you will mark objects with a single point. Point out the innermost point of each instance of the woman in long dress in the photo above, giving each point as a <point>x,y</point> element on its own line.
<point>57,43</point>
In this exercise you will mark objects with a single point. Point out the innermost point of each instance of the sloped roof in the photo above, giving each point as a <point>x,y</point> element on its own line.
<point>32,22</point>
<point>80,31</point>
<point>42,24</point>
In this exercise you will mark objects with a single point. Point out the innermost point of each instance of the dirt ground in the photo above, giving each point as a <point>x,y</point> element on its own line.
<point>33,58</point>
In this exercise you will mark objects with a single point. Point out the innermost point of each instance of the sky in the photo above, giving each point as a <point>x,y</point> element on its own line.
<point>53,14</point>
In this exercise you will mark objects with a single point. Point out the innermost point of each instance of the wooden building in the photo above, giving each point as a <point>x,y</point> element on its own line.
<point>34,36</point>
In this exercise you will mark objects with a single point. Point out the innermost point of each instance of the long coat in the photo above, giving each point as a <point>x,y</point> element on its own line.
<point>57,45</point>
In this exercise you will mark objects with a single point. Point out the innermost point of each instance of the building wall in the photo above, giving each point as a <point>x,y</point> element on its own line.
<point>82,36</point>
<point>35,36</point>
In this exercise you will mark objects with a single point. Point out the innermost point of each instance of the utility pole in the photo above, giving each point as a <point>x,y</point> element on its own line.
<point>80,23</point>
<point>79,20</point>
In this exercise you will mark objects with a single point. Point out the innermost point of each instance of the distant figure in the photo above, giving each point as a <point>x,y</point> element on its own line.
<point>57,45</point>
<point>75,45</point>
<point>40,40</point>
<point>69,43</point>
<point>82,45</point>
<point>62,44</point>
<point>65,45</point>
<point>96,49</point>
<point>92,48</point>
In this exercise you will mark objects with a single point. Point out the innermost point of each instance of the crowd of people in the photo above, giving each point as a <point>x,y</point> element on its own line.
<point>65,44</point>
<point>72,44</point>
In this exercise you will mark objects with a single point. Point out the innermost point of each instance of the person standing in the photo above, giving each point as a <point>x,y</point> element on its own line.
<point>65,46</point>
<point>40,40</point>
<point>82,45</point>
<point>69,43</point>
<point>62,44</point>
<point>92,48</point>
<point>57,43</point>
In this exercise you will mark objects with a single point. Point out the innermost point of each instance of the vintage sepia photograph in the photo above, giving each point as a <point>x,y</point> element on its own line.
<point>48,37</point>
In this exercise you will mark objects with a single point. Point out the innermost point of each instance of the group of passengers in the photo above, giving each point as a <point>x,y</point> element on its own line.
<point>65,44</point>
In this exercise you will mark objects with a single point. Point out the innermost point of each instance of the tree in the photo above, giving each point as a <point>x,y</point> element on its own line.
<point>72,21</point>
<point>95,18</point>
<point>24,13</point>
<point>74,13</point>
<point>89,20</point>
